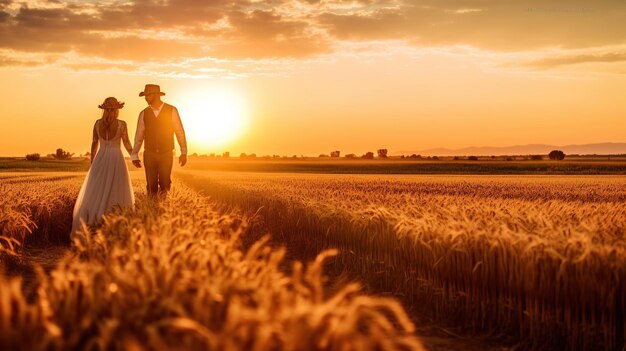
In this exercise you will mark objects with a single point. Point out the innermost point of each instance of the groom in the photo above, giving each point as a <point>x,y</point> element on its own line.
<point>157,124</point>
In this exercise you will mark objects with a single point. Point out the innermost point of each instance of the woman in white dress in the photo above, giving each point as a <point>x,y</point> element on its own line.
<point>107,183</point>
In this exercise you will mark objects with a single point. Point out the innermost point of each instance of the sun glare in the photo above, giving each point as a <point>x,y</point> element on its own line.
<point>212,119</point>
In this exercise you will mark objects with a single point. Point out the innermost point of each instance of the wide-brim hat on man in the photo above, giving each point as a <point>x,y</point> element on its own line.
<point>111,102</point>
<point>151,89</point>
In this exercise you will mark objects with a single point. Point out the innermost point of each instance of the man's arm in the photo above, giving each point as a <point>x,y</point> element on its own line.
<point>180,136</point>
<point>179,131</point>
<point>139,136</point>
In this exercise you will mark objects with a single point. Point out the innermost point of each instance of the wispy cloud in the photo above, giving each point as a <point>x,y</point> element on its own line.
<point>551,62</point>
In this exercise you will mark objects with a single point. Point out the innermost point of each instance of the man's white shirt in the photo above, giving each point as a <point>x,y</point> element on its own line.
<point>141,131</point>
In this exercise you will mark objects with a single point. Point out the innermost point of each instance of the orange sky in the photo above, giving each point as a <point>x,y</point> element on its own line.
<point>312,76</point>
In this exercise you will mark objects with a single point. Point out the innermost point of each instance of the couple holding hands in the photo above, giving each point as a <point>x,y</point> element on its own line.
<point>108,183</point>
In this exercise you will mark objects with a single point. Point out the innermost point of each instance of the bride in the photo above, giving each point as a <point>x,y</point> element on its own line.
<point>107,183</point>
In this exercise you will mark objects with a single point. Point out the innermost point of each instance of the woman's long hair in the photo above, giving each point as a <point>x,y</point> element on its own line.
<point>108,116</point>
<point>110,111</point>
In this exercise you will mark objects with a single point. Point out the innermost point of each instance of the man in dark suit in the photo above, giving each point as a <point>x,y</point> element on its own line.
<point>157,125</point>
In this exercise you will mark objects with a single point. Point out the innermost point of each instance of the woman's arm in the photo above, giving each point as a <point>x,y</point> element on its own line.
<point>126,140</point>
<point>94,142</point>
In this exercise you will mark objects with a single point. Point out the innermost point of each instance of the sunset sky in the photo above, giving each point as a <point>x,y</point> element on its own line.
<point>311,76</point>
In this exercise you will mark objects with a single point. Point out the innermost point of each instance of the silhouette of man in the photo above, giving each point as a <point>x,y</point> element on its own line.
<point>157,125</point>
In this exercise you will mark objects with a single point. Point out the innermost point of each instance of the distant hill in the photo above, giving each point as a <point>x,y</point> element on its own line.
<point>529,149</point>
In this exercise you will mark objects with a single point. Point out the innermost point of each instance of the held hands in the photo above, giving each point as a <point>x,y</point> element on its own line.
<point>182,160</point>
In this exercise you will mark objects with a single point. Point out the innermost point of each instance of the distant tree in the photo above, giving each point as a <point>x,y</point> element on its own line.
<point>472,158</point>
<point>556,155</point>
<point>401,156</point>
<point>536,157</point>
<point>415,156</point>
<point>509,158</point>
<point>323,156</point>
<point>276,156</point>
<point>195,154</point>
<point>63,155</point>
<point>226,154</point>
<point>382,153</point>
<point>350,156</point>
<point>335,153</point>
<point>33,157</point>
<point>456,158</point>
<point>435,158</point>
<point>243,155</point>
<point>368,155</point>
<point>493,157</point>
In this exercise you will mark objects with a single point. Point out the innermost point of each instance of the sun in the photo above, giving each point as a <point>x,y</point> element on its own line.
<point>212,119</point>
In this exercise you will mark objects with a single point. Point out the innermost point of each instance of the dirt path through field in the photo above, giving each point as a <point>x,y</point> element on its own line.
<point>45,256</point>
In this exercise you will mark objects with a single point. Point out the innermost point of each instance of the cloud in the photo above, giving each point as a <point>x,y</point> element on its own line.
<point>380,25</point>
<point>507,25</point>
<point>101,67</point>
<point>167,31</point>
<point>551,62</point>
<point>159,30</point>
<point>265,34</point>
<point>11,62</point>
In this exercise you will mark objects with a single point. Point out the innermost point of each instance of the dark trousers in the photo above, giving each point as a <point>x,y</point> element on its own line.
<point>158,170</point>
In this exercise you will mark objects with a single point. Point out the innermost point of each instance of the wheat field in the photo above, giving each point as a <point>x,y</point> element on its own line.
<point>540,258</point>
<point>217,265</point>
<point>173,274</point>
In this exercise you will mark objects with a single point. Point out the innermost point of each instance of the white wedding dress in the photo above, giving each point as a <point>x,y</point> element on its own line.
<point>107,183</point>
